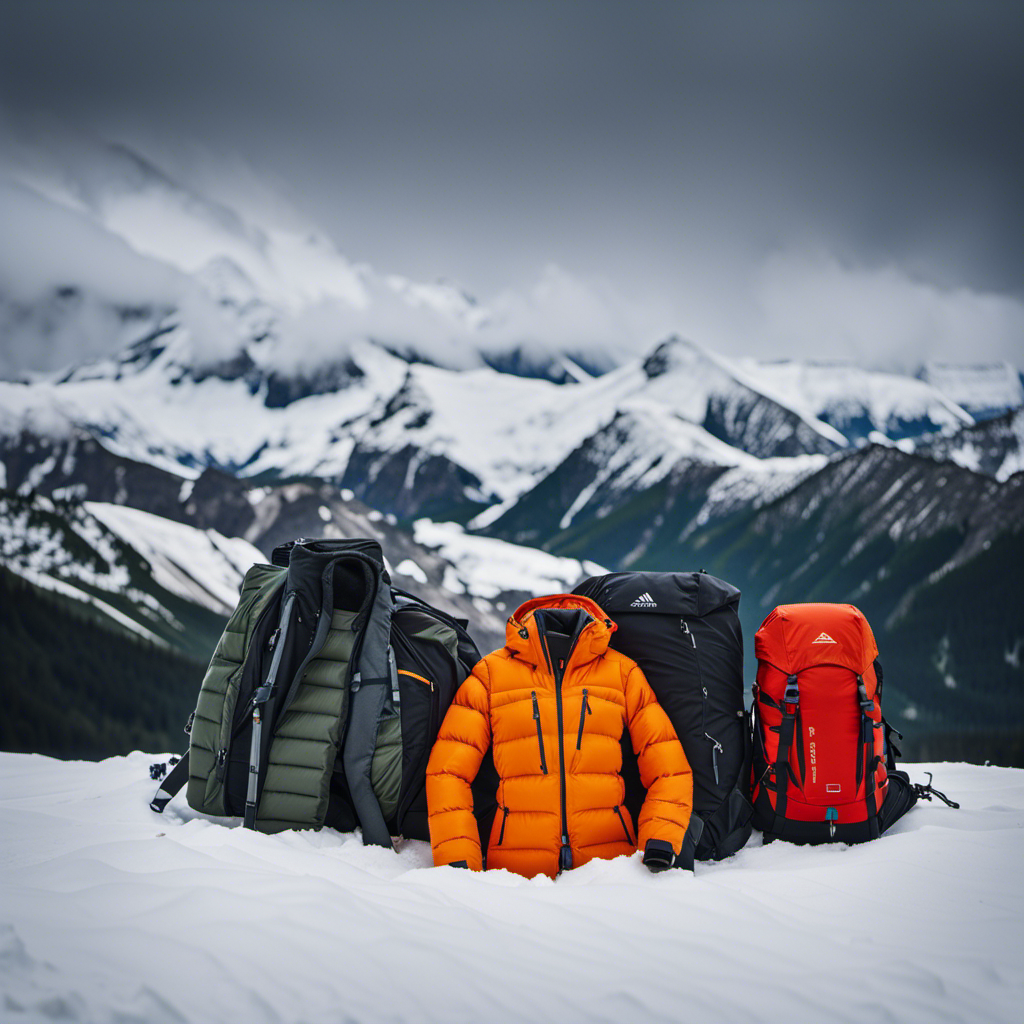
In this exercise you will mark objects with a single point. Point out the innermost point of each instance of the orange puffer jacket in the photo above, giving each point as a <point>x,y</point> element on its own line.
<point>554,702</point>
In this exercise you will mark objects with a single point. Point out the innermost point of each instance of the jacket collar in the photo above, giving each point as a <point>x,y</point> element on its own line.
<point>522,635</point>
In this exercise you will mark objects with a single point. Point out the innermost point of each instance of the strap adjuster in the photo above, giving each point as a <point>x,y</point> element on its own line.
<point>792,694</point>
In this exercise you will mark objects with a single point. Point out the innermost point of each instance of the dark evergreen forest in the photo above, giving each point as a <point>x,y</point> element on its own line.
<point>73,688</point>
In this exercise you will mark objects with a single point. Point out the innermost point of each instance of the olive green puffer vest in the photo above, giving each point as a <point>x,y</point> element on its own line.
<point>323,698</point>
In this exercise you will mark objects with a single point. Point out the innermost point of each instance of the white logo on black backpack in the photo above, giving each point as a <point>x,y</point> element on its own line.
<point>644,601</point>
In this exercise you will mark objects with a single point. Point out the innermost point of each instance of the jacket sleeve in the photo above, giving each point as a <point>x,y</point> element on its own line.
<point>664,770</point>
<point>461,744</point>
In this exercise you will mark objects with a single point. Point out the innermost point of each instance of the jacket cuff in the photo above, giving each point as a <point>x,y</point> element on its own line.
<point>658,855</point>
<point>460,854</point>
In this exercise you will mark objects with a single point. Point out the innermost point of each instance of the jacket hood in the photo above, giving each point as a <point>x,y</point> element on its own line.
<point>522,634</point>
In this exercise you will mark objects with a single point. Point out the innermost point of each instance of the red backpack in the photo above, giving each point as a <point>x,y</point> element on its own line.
<point>823,767</point>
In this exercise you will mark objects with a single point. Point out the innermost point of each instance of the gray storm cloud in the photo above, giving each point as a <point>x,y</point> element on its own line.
<point>793,178</point>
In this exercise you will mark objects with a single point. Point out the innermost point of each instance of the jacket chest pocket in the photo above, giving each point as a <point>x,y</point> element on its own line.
<point>540,731</point>
<point>585,710</point>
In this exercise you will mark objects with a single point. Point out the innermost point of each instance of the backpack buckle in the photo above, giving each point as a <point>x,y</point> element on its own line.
<point>792,694</point>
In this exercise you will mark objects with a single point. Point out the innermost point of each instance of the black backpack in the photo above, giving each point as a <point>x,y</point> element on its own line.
<point>323,698</point>
<point>683,630</point>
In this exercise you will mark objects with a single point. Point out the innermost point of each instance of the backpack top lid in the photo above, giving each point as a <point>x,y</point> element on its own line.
<point>797,636</point>
<point>674,593</point>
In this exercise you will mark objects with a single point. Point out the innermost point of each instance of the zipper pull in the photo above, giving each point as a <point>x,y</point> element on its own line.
<point>584,711</point>
<point>565,855</point>
<point>716,749</point>
<point>222,756</point>
<point>686,630</point>
<point>540,732</point>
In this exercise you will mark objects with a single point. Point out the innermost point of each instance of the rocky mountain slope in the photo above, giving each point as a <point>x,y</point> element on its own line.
<point>76,514</point>
<point>994,446</point>
<point>241,379</point>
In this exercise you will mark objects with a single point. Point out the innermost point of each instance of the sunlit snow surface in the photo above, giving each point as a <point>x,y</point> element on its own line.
<point>110,913</point>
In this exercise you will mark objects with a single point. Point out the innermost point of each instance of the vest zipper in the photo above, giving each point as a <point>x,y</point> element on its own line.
<point>584,711</point>
<point>622,821</point>
<point>540,735</point>
<point>222,757</point>
<point>716,747</point>
<point>504,818</point>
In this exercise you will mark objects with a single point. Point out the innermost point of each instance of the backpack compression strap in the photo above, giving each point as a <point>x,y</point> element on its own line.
<point>259,700</point>
<point>867,761</point>
<point>171,785</point>
<point>783,771</point>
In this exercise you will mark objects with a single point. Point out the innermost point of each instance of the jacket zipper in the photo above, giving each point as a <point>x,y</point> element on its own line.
<point>584,711</point>
<point>622,821</point>
<point>504,818</point>
<point>716,747</point>
<point>540,735</point>
<point>565,853</point>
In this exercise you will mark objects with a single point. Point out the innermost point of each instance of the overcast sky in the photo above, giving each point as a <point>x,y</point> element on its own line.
<point>809,178</point>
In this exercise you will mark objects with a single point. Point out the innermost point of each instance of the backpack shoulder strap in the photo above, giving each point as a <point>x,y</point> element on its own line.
<point>373,681</point>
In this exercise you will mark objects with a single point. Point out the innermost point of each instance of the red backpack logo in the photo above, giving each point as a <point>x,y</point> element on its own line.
<point>819,765</point>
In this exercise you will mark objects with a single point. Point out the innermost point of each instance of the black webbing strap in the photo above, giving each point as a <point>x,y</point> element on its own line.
<point>171,785</point>
<point>691,840</point>
<point>783,771</point>
<point>765,698</point>
<point>891,750</point>
<point>867,760</point>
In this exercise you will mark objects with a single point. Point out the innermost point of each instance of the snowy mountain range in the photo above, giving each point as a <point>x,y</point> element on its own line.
<point>239,383</point>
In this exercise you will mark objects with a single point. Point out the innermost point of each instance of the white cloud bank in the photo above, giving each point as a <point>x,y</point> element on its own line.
<point>815,306</point>
<point>120,232</point>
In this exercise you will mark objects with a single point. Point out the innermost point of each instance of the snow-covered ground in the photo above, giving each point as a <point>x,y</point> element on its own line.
<point>110,913</point>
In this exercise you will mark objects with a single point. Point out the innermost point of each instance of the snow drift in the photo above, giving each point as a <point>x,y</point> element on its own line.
<point>111,913</point>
